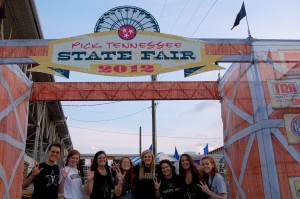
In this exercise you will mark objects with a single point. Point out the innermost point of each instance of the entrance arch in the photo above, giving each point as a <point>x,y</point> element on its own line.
<point>260,129</point>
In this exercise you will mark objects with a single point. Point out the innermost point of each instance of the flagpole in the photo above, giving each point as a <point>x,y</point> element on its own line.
<point>242,13</point>
<point>249,34</point>
<point>154,133</point>
<point>252,58</point>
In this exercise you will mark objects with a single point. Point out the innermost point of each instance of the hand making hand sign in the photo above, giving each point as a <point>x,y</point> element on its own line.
<point>120,176</point>
<point>156,184</point>
<point>36,170</point>
<point>90,174</point>
<point>64,173</point>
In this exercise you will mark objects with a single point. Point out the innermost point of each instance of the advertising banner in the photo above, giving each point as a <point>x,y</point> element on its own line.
<point>284,93</point>
<point>292,125</point>
<point>107,53</point>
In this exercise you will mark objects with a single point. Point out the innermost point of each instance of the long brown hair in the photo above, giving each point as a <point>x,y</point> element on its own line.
<point>94,167</point>
<point>194,171</point>
<point>129,174</point>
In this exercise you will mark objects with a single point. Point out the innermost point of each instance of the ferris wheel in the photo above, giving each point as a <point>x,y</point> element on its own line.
<point>126,17</point>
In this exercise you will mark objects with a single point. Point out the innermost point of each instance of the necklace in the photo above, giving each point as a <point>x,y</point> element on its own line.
<point>102,171</point>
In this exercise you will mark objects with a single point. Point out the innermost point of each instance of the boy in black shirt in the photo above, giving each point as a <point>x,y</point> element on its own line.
<point>45,176</point>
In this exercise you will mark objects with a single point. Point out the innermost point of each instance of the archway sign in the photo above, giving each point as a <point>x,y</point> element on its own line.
<point>259,93</point>
<point>126,42</point>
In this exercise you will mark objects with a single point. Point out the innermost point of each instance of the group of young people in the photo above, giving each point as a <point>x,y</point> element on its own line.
<point>143,181</point>
<point>49,180</point>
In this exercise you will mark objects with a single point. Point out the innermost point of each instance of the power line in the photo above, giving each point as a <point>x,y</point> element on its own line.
<point>104,131</point>
<point>204,17</point>
<point>162,11</point>
<point>189,21</point>
<point>110,119</point>
<point>84,110</point>
<point>175,130</point>
<point>142,116</point>
<point>114,132</point>
<point>179,15</point>
<point>91,104</point>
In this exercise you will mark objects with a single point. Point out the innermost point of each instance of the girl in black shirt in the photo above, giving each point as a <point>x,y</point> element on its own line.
<point>190,177</point>
<point>99,178</point>
<point>168,184</point>
<point>144,176</point>
<point>124,180</point>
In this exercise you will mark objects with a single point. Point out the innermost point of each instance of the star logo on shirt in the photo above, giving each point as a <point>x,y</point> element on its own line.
<point>127,32</point>
<point>53,179</point>
<point>170,185</point>
<point>105,191</point>
<point>189,194</point>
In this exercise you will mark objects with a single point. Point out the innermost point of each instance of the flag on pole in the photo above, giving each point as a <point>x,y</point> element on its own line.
<point>205,150</point>
<point>240,16</point>
<point>176,155</point>
<point>150,148</point>
<point>2,10</point>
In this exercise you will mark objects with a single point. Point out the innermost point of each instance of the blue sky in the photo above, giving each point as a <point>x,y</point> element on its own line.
<point>188,125</point>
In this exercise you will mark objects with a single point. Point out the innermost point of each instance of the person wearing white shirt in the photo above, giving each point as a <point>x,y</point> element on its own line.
<point>72,184</point>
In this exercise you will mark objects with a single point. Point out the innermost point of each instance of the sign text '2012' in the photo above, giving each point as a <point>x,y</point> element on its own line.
<point>144,68</point>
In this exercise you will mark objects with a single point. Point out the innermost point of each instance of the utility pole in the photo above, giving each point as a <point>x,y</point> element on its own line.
<point>140,141</point>
<point>154,143</point>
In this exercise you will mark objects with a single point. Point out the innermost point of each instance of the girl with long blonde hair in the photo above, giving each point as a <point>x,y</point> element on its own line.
<point>145,173</point>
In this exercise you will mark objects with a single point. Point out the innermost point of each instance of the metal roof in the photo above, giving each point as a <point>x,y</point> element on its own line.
<point>22,22</point>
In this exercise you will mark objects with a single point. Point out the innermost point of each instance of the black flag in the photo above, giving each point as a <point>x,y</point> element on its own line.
<point>240,16</point>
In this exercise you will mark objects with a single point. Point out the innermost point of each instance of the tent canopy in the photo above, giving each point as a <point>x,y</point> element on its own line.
<point>159,157</point>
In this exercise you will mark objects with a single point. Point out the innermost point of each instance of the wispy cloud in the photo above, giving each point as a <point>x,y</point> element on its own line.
<point>202,107</point>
